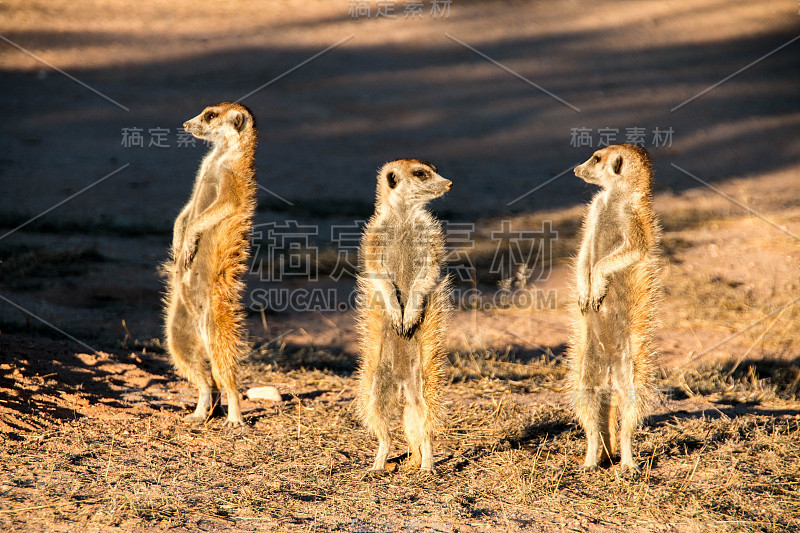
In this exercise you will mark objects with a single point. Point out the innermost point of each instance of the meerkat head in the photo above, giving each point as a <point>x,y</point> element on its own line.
<point>625,165</point>
<point>222,121</point>
<point>410,182</point>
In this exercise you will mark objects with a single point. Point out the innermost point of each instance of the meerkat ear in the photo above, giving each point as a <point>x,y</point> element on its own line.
<point>391,179</point>
<point>238,121</point>
<point>616,164</point>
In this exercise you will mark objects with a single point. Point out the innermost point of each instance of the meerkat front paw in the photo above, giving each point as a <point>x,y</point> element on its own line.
<point>396,318</point>
<point>583,289</point>
<point>583,300</point>
<point>413,312</point>
<point>188,252</point>
<point>597,300</point>
<point>411,319</point>
<point>176,251</point>
<point>598,292</point>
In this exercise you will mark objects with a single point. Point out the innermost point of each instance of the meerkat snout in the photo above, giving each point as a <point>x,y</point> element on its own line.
<point>440,186</point>
<point>433,184</point>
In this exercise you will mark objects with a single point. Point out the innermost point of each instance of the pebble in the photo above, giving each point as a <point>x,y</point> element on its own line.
<point>264,393</point>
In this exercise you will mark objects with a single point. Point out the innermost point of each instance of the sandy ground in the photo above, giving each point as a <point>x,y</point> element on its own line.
<point>85,214</point>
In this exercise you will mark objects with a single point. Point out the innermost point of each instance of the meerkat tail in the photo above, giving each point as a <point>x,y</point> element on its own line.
<point>609,413</point>
<point>227,333</point>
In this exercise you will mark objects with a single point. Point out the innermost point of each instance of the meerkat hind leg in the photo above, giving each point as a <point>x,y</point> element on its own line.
<point>591,426</point>
<point>186,348</point>
<point>203,408</point>
<point>377,418</point>
<point>235,417</point>
<point>418,432</point>
<point>427,456</point>
<point>629,422</point>
<point>378,422</point>
<point>589,396</point>
<point>626,435</point>
<point>224,373</point>
<point>384,445</point>
<point>412,422</point>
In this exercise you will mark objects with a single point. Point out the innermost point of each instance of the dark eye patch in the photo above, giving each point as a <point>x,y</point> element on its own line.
<point>596,159</point>
<point>421,174</point>
<point>209,116</point>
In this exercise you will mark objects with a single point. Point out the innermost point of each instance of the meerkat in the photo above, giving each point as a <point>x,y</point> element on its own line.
<point>211,242</point>
<point>402,311</point>
<point>612,349</point>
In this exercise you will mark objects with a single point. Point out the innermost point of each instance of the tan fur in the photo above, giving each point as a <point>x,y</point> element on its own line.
<point>403,311</point>
<point>612,349</point>
<point>211,243</point>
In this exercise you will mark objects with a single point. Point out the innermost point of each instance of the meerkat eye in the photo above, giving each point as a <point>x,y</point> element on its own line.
<point>209,116</point>
<point>596,159</point>
<point>420,174</point>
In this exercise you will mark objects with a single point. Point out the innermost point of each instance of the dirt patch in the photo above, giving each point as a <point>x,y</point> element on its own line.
<point>96,442</point>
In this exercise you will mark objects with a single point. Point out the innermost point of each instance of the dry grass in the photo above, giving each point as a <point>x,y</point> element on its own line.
<point>506,460</point>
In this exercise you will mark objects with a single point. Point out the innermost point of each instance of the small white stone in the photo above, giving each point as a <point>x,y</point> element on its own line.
<point>264,393</point>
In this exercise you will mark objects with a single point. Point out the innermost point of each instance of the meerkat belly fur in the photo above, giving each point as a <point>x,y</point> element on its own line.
<point>403,310</point>
<point>211,243</point>
<point>617,283</point>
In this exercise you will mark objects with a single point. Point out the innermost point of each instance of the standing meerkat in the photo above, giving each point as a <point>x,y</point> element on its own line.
<point>402,310</point>
<point>211,242</point>
<point>612,348</point>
